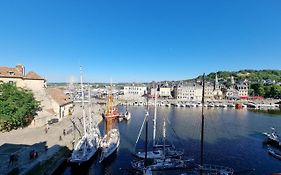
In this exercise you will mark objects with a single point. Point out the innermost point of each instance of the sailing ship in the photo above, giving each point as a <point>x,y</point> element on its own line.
<point>206,168</point>
<point>111,140</point>
<point>88,145</point>
<point>109,143</point>
<point>111,111</point>
<point>158,150</point>
<point>161,163</point>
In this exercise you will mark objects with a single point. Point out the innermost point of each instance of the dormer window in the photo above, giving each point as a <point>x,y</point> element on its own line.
<point>11,73</point>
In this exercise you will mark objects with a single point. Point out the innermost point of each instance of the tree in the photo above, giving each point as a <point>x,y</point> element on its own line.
<point>17,107</point>
<point>258,89</point>
<point>275,91</point>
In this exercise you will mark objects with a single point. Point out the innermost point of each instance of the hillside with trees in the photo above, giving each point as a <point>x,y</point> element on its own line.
<point>264,83</point>
<point>253,76</point>
<point>17,107</point>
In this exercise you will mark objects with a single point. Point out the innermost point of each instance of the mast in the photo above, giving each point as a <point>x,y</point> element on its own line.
<point>146,133</point>
<point>164,137</point>
<point>90,107</point>
<point>155,113</point>
<point>202,125</point>
<point>83,103</point>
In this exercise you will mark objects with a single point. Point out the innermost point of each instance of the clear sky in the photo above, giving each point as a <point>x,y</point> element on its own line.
<point>139,40</point>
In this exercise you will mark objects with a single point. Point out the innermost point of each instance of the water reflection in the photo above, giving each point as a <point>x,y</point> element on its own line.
<point>233,138</point>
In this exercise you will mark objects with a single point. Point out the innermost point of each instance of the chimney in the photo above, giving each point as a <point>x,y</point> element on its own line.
<point>21,69</point>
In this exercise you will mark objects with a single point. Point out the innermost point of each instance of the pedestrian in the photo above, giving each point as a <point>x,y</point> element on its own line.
<point>64,132</point>
<point>60,138</point>
<point>46,130</point>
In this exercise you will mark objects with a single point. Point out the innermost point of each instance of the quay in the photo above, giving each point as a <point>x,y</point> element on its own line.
<point>52,146</point>
<point>257,104</point>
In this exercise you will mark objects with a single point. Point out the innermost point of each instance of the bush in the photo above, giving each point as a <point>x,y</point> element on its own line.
<point>17,107</point>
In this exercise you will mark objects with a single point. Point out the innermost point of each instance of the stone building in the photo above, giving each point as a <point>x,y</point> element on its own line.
<point>53,103</point>
<point>188,92</point>
<point>17,76</point>
<point>61,103</point>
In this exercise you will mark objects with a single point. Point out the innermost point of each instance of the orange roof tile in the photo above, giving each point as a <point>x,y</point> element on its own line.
<point>32,75</point>
<point>9,72</point>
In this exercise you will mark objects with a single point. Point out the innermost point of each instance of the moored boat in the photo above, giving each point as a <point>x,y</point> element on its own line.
<point>275,154</point>
<point>109,144</point>
<point>273,137</point>
<point>88,145</point>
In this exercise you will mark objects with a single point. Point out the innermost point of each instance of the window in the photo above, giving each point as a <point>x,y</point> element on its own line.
<point>11,73</point>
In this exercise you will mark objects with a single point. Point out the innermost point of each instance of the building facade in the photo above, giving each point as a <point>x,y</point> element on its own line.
<point>135,90</point>
<point>243,90</point>
<point>17,76</point>
<point>188,92</point>
<point>61,103</point>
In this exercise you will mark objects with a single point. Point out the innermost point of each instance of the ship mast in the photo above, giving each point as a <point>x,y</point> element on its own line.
<point>155,113</point>
<point>164,137</point>
<point>146,133</point>
<point>83,109</point>
<point>202,127</point>
<point>83,103</point>
<point>90,107</point>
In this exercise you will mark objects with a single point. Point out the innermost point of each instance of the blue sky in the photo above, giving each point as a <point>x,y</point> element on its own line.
<point>139,40</point>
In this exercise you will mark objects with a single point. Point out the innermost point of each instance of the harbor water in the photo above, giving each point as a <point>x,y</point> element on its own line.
<point>233,138</point>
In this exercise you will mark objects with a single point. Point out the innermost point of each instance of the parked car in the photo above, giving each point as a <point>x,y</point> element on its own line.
<point>53,120</point>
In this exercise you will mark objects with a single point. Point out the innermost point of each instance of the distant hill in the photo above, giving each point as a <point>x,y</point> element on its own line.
<point>253,76</point>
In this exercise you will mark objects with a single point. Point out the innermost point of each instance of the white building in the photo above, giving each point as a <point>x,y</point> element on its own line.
<point>61,103</point>
<point>135,91</point>
<point>188,92</point>
<point>242,89</point>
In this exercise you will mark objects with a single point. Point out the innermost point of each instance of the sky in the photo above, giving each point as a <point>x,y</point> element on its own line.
<point>139,40</point>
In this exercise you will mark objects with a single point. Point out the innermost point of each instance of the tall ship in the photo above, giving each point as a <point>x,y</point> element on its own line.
<point>111,111</point>
<point>88,144</point>
<point>111,140</point>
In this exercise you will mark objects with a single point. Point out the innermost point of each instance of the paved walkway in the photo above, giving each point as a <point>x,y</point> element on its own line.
<point>54,137</point>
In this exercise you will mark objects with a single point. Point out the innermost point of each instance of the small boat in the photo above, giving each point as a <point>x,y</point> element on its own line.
<point>273,137</point>
<point>231,105</point>
<point>211,105</point>
<point>275,154</point>
<point>127,115</point>
<point>168,105</point>
<point>109,143</point>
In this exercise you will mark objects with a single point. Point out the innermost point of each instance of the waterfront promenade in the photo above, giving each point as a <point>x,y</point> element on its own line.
<point>53,137</point>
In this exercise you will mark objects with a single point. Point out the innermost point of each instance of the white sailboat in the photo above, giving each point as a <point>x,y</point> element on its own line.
<point>161,163</point>
<point>88,145</point>
<point>158,150</point>
<point>109,143</point>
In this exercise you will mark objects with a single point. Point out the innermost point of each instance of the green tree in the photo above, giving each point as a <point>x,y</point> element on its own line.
<point>258,89</point>
<point>275,91</point>
<point>17,107</point>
